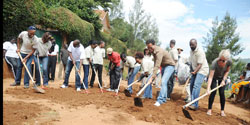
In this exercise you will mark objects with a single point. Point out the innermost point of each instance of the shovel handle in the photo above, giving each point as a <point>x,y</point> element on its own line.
<point>26,68</point>
<point>132,83</point>
<point>98,81</point>
<point>144,87</point>
<point>38,61</point>
<point>183,90</point>
<point>77,70</point>
<point>201,97</point>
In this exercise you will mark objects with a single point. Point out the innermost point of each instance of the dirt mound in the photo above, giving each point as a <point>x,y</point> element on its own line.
<point>18,112</point>
<point>169,113</point>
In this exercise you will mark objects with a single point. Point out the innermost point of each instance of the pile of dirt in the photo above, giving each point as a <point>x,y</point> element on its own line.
<point>169,113</point>
<point>17,112</point>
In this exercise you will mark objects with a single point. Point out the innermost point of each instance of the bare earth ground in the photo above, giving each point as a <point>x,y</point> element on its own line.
<point>66,106</point>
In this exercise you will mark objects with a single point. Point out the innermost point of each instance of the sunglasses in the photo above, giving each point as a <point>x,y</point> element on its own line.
<point>222,60</point>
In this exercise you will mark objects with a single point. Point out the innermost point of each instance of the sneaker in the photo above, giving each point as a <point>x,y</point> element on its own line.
<point>110,90</point>
<point>26,86</point>
<point>223,114</point>
<point>168,99</point>
<point>209,113</point>
<point>157,104</point>
<point>63,86</point>
<point>78,89</point>
<point>15,84</point>
<point>116,90</point>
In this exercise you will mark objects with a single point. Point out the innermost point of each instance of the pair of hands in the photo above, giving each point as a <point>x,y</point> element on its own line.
<point>222,83</point>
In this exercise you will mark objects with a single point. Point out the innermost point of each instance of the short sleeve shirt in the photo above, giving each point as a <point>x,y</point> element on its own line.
<point>198,57</point>
<point>98,55</point>
<point>147,65</point>
<point>130,62</point>
<point>219,71</point>
<point>28,43</point>
<point>89,53</point>
<point>174,53</point>
<point>10,49</point>
<point>77,53</point>
<point>56,50</point>
<point>42,48</point>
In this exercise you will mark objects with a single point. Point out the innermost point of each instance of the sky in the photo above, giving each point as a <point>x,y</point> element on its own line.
<point>183,20</point>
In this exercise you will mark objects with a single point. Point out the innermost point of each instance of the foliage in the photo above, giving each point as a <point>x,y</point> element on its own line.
<point>222,36</point>
<point>68,22</point>
<point>18,15</point>
<point>116,10</point>
<point>121,29</point>
<point>236,69</point>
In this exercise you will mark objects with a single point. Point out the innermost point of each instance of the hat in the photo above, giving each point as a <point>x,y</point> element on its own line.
<point>180,49</point>
<point>109,50</point>
<point>32,28</point>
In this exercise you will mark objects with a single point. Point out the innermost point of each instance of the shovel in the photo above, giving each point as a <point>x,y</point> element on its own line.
<point>186,113</point>
<point>38,61</point>
<point>77,70</point>
<point>183,90</point>
<point>126,91</point>
<point>116,94</point>
<point>137,99</point>
<point>98,81</point>
<point>40,90</point>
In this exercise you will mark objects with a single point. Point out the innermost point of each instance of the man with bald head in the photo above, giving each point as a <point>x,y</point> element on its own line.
<point>200,69</point>
<point>76,55</point>
<point>29,40</point>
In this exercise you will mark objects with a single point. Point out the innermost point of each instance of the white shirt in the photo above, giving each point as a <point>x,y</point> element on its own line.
<point>11,49</point>
<point>42,48</point>
<point>130,62</point>
<point>147,65</point>
<point>77,53</point>
<point>28,43</point>
<point>99,54</point>
<point>247,74</point>
<point>150,57</point>
<point>56,50</point>
<point>174,53</point>
<point>89,52</point>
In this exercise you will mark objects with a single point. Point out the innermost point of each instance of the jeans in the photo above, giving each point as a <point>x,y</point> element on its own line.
<point>13,63</point>
<point>52,67</point>
<point>195,86</point>
<point>166,74</point>
<point>115,75</point>
<point>69,67</point>
<point>44,61</point>
<point>212,95</point>
<point>86,75</point>
<point>171,85</point>
<point>148,90</point>
<point>19,70</point>
<point>98,68</point>
<point>132,77</point>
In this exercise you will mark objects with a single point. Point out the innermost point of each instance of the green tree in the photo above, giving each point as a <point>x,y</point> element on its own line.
<point>116,10</point>
<point>121,29</point>
<point>222,36</point>
<point>237,69</point>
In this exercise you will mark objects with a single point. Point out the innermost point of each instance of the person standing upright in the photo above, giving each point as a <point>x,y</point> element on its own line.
<point>99,54</point>
<point>53,59</point>
<point>87,61</point>
<point>200,66</point>
<point>161,59</point>
<point>10,55</point>
<point>29,39</point>
<point>174,55</point>
<point>64,54</point>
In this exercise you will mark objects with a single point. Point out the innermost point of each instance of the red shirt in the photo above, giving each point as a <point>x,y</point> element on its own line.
<point>115,58</point>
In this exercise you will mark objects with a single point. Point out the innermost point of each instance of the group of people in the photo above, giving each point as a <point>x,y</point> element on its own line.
<point>155,64</point>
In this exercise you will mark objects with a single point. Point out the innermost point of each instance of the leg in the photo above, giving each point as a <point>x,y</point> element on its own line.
<point>53,67</point>
<point>100,67</point>
<point>212,95</point>
<point>196,88</point>
<point>132,77</point>
<point>37,72</point>
<point>77,77</point>
<point>67,73</point>
<point>222,97</point>
<point>28,64</point>
<point>86,75</point>
<point>49,67</point>
<point>93,76</point>
<point>148,90</point>
<point>44,62</point>
<point>170,85</point>
<point>12,63</point>
<point>117,77</point>
<point>112,79</point>
<point>19,73</point>
<point>167,72</point>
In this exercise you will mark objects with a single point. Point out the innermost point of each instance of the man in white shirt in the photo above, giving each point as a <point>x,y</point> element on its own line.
<point>133,68</point>
<point>53,58</point>
<point>99,54</point>
<point>11,57</point>
<point>29,39</point>
<point>89,53</point>
<point>174,54</point>
<point>76,55</point>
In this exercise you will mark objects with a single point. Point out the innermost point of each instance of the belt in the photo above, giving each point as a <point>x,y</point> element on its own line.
<point>51,55</point>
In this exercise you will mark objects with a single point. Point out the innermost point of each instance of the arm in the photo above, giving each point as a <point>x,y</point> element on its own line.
<point>197,69</point>
<point>225,76</point>
<point>158,60</point>
<point>71,57</point>
<point>210,78</point>
<point>18,44</point>
<point>30,54</point>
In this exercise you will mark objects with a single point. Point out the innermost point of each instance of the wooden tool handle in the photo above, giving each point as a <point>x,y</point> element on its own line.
<point>26,67</point>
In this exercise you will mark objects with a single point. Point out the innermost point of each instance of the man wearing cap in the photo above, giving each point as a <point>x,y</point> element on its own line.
<point>115,70</point>
<point>76,55</point>
<point>29,40</point>
<point>53,59</point>
<point>161,59</point>
<point>89,53</point>
<point>174,55</point>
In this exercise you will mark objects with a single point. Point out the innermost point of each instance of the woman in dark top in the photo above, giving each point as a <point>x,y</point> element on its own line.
<point>218,74</point>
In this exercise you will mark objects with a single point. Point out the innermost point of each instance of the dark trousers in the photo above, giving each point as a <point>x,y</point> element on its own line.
<point>170,85</point>
<point>51,67</point>
<point>13,63</point>
<point>115,76</point>
<point>212,95</point>
<point>98,68</point>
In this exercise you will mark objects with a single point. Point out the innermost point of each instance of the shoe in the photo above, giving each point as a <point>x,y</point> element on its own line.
<point>15,84</point>
<point>116,90</point>
<point>223,114</point>
<point>26,86</point>
<point>192,107</point>
<point>246,102</point>
<point>168,99</point>
<point>63,86</point>
<point>157,104</point>
<point>110,90</point>
<point>78,89</point>
<point>209,113</point>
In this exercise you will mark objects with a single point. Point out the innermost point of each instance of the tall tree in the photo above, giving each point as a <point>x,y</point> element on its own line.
<point>116,10</point>
<point>222,36</point>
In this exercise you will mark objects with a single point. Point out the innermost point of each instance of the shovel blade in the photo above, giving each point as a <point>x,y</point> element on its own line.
<point>186,114</point>
<point>127,93</point>
<point>39,90</point>
<point>138,102</point>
